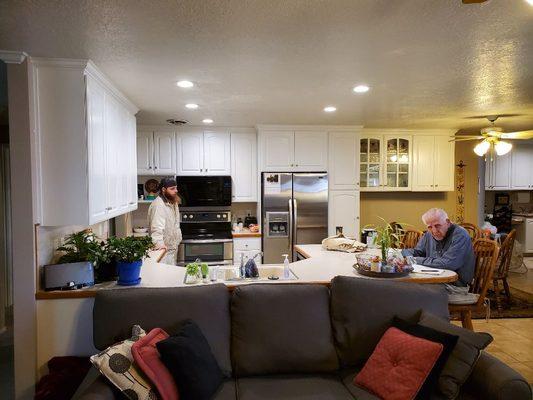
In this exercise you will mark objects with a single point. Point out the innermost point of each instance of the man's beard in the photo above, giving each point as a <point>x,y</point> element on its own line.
<point>171,198</point>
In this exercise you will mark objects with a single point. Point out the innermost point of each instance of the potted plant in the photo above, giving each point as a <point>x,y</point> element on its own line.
<point>387,236</point>
<point>195,271</point>
<point>84,246</point>
<point>129,253</point>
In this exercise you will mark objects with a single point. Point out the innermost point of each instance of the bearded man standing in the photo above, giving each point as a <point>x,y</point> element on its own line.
<point>164,220</point>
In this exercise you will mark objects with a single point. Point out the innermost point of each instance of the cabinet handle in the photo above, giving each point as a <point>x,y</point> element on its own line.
<point>436,185</point>
<point>132,203</point>
<point>108,208</point>
<point>149,167</point>
<point>155,167</point>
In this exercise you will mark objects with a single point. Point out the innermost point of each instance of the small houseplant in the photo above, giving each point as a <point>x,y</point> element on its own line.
<point>387,236</point>
<point>195,271</point>
<point>84,246</point>
<point>129,253</point>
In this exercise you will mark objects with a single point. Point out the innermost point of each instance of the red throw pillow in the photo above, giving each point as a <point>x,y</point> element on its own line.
<point>149,361</point>
<point>399,365</point>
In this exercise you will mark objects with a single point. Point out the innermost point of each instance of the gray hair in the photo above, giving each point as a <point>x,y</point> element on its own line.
<point>434,212</point>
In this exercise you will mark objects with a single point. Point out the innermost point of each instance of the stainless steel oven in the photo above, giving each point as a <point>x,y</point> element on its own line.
<point>211,251</point>
<point>206,236</point>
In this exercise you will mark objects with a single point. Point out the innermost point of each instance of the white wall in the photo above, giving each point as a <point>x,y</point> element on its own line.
<point>64,328</point>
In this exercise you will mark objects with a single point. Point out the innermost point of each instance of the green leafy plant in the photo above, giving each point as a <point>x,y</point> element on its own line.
<point>387,236</point>
<point>197,268</point>
<point>129,249</point>
<point>82,246</point>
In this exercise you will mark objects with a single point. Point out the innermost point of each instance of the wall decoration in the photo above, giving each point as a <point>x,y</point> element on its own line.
<point>460,192</point>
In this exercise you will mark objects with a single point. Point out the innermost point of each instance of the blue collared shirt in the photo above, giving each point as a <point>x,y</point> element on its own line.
<point>454,252</point>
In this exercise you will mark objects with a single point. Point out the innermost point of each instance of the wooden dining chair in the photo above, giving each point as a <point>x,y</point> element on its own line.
<point>410,238</point>
<point>486,252</point>
<point>502,267</point>
<point>473,231</point>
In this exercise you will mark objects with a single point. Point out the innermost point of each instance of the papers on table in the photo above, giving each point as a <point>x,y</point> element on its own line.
<point>421,269</point>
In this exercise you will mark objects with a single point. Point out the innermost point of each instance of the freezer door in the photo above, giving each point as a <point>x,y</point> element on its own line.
<point>276,211</point>
<point>310,192</point>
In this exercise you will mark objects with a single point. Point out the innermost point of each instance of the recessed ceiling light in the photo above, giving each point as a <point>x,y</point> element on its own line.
<point>530,2</point>
<point>330,109</point>
<point>191,106</point>
<point>184,84</point>
<point>362,88</point>
<point>207,121</point>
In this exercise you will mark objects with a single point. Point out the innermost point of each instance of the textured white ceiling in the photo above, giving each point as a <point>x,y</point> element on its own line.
<point>430,63</point>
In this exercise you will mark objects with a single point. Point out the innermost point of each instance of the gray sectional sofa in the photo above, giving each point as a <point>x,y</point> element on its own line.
<point>287,341</point>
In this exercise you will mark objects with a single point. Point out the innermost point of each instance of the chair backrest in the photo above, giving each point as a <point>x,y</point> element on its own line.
<point>473,230</point>
<point>486,252</point>
<point>410,238</point>
<point>506,253</point>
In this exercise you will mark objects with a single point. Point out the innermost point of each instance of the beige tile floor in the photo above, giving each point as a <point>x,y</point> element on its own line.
<point>513,342</point>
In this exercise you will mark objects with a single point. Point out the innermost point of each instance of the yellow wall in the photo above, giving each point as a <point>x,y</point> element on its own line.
<point>408,207</point>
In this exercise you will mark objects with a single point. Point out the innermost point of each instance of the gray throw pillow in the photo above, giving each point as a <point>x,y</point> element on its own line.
<point>461,362</point>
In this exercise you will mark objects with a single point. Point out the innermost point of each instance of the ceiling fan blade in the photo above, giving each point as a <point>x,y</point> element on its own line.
<point>464,139</point>
<point>473,1</point>
<point>518,135</point>
<point>468,136</point>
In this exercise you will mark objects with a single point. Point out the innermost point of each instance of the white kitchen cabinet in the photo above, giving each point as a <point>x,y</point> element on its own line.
<point>522,167</point>
<point>498,172</point>
<point>343,170</point>
<point>293,150</point>
<point>85,144</point>
<point>204,153</point>
<point>385,162</point>
<point>248,247</point>
<point>310,151</point>
<point>217,153</point>
<point>156,153</point>
<point>343,211</point>
<point>244,167</point>
<point>433,163</point>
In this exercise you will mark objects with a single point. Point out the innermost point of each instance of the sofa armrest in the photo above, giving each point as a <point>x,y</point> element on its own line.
<point>491,379</point>
<point>95,387</point>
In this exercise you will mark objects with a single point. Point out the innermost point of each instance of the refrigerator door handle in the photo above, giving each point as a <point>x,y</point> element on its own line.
<point>295,225</point>
<point>291,223</point>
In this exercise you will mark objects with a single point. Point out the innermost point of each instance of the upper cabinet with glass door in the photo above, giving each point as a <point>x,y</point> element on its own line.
<point>385,162</point>
<point>397,163</point>
<point>371,163</point>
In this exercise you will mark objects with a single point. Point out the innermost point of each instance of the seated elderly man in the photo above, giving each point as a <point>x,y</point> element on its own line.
<point>445,245</point>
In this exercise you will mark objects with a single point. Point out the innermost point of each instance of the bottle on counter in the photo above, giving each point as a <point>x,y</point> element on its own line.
<point>286,270</point>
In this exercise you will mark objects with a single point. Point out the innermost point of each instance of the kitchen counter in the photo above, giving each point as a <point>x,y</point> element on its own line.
<point>246,233</point>
<point>319,266</point>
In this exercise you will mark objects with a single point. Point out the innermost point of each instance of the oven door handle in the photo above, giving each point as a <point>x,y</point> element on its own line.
<point>291,222</point>
<point>207,241</point>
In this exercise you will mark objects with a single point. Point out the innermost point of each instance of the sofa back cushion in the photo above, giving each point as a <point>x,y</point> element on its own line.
<point>363,309</point>
<point>116,311</point>
<point>281,328</point>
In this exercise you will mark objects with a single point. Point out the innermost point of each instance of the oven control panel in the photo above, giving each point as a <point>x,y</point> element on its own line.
<point>205,216</point>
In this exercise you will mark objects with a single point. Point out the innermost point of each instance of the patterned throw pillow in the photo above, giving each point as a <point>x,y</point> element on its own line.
<point>116,364</point>
<point>399,365</point>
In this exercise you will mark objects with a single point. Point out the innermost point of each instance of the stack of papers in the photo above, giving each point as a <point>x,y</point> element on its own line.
<point>421,269</point>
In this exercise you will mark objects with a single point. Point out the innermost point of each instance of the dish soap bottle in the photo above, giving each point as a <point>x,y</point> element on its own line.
<point>286,270</point>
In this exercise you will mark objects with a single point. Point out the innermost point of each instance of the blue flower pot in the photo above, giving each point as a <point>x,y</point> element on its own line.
<point>129,274</point>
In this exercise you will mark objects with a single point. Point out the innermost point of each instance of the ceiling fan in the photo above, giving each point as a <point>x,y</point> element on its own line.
<point>492,138</point>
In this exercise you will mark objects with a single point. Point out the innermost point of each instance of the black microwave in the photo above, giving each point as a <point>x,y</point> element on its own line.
<point>204,191</point>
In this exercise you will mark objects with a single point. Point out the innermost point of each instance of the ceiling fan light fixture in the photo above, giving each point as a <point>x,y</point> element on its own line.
<point>482,148</point>
<point>502,147</point>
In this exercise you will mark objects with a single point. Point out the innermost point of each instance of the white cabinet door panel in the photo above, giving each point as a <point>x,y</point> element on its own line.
<point>164,153</point>
<point>501,170</point>
<point>217,153</point>
<point>343,171</point>
<point>145,153</point>
<point>310,151</point>
<point>343,209</point>
<point>423,163</point>
<point>244,166</point>
<point>444,164</point>
<point>96,152</point>
<point>278,151</point>
<point>190,153</point>
<point>522,167</point>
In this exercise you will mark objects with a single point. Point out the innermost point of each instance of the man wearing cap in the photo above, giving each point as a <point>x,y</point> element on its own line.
<point>164,220</point>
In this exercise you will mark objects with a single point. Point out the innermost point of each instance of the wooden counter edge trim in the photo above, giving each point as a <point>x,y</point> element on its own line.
<point>301,251</point>
<point>247,234</point>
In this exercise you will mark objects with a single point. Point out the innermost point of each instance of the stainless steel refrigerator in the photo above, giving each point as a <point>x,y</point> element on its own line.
<point>294,210</point>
